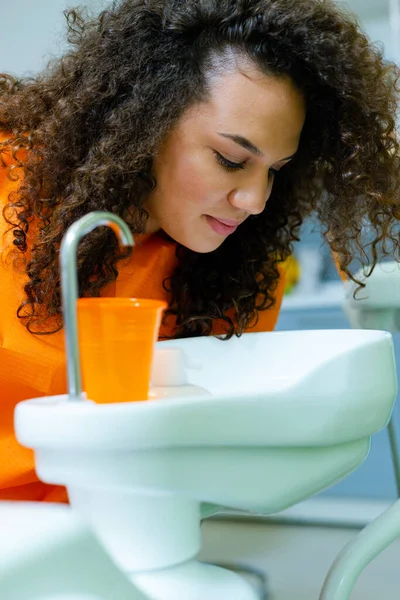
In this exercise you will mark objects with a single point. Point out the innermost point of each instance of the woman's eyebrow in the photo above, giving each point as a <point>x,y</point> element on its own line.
<point>247,145</point>
<point>244,142</point>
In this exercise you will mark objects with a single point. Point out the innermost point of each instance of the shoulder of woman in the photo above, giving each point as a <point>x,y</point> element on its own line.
<point>13,150</point>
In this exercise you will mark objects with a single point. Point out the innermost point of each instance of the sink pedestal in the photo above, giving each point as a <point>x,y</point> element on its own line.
<point>153,539</point>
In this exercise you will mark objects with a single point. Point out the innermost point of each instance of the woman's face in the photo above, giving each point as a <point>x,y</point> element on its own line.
<point>217,166</point>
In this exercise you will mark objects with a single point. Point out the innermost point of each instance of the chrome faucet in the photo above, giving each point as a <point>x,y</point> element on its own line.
<point>69,286</point>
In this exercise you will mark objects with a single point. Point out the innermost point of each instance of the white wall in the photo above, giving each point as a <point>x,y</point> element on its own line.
<point>32,31</point>
<point>379,30</point>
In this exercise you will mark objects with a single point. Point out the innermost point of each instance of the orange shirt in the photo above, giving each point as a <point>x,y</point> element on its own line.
<point>32,366</point>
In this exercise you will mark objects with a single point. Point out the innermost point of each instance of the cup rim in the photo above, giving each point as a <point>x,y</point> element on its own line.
<point>119,301</point>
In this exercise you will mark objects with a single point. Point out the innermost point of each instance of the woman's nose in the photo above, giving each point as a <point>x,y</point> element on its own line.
<point>251,197</point>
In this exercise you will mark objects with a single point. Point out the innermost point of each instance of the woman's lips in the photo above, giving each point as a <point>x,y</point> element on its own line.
<point>225,227</point>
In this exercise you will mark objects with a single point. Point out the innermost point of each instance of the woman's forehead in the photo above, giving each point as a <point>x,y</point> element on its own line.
<point>262,108</point>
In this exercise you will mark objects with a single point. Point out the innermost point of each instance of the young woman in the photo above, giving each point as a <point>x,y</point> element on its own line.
<point>213,128</point>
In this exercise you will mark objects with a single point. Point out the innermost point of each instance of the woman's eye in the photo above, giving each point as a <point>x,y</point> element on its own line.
<point>228,164</point>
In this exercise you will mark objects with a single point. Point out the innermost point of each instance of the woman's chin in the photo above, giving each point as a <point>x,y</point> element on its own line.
<point>199,245</point>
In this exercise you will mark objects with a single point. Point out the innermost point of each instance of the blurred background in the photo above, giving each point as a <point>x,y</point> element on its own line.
<point>302,542</point>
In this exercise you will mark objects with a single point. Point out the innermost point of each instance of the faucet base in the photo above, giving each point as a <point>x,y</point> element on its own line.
<point>194,580</point>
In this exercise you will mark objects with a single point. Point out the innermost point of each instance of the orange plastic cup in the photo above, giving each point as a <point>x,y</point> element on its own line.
<point>116,338</point>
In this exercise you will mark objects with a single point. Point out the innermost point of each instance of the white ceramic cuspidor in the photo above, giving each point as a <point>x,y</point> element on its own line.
<point>290,413</point>
<point>377,305</point>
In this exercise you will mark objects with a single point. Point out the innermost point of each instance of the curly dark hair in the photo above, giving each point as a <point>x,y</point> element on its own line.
<point>93,121</point>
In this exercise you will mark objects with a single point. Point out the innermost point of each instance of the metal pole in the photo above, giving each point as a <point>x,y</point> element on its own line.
<point>69,286</point>
<point>353,559</point>
<point>394,449</point>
